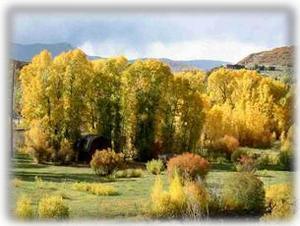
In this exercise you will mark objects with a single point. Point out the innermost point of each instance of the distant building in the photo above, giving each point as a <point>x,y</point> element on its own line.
<point>235,66</point>
<point>271,68</point>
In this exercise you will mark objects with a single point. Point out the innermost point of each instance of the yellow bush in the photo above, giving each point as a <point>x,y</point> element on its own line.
<point>106,162</point>
<point>280,202</point>
<point>66,153</point>
<point>16,182</point>
<point>287,143</point>
<point>24,209</point>
<point>95,188</point>
<point>155,166</point>
<point>129,173</point>
<point>198,199</point>
<point>160,199</point>
<point>53,207</point>
<point>168,204</point>
<point>177,194</point>
<point>37,143</point>
<point>227,144</point>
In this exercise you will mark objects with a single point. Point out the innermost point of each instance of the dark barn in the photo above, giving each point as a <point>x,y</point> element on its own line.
<point>87,145</point>
<point>235,66</point>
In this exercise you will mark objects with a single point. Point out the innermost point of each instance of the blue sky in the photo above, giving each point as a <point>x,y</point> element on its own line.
<point>227,36</point>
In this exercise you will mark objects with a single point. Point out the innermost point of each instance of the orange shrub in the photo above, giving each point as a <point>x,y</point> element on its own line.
<point>189,166</point>
<point>105,162</point>
<point>227,144</point>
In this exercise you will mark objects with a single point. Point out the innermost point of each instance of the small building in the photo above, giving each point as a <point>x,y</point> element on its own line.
<point>88,144</point>
<point>235,66</point>
<point>271,68</point>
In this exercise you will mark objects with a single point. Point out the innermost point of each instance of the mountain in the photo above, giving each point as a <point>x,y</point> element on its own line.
<point>22,52</point>
<point>206,65</point>
<point>282,56</point>
<point>180,65</point>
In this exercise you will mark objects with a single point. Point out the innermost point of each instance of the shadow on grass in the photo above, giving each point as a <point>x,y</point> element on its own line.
<point>222,167</point>
<point>262,175</point>
<point>67,177</point>
<point>28,165</point>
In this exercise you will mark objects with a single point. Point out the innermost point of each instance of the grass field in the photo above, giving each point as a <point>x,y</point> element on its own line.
<point>131,202</point>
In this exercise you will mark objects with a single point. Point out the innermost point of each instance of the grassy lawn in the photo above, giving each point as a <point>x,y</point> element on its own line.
<point>132,200</point>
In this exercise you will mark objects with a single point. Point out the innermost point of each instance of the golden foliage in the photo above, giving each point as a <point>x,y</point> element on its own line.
<point>95,188</point>
<point>280,202</point>
<point>53,207</point>
<point>24,208</point>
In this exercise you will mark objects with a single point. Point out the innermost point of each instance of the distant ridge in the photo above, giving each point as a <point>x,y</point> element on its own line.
<point>180,65</point>
<point>22,52</point>
<point>25,52</point>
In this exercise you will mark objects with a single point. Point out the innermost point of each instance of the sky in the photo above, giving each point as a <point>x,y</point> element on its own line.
<point>227,36</point>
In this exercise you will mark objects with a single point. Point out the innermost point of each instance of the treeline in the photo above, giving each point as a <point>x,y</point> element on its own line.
<point>144,108</point>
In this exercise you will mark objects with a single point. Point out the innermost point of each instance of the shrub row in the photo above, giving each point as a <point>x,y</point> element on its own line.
<point>242,193</point>
<point>49,207</point>
<point>95,188</point>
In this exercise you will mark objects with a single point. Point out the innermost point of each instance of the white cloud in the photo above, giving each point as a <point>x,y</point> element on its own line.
<point>213,50</point>
<point>226,50</point>
<point>109,49</point>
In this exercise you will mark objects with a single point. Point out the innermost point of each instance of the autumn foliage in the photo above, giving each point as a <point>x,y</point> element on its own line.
<point>105,162</point>
<point>189,166</point>
<point>140,104</point>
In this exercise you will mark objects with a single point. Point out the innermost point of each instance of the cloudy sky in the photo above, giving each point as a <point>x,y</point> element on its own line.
<point>227,36</point>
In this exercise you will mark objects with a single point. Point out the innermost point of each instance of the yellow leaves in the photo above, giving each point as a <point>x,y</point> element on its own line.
<point>176,191</point>
<point>24,208</point>
<point>168,203</point>
<point>250,106</point>
<point>43,59</point>
<point>73,95</point>
<point>280,201</point>
<point>53,207</point>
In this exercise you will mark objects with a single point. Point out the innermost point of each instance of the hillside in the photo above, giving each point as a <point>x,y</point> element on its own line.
<point>282,56</point>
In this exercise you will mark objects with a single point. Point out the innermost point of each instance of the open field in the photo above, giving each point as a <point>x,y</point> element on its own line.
<point>132,200</point>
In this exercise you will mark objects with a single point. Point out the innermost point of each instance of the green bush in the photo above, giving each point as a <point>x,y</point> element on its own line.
<point>263,162</point>
<point>24,209</point>
<point>106,162</point>
<point>286,160</point>
<point>155,166</point>
<point>243,193</point>
<point>236,155</point>
<point>53,207</point>
<point>215,204</point>
<point>189,166</point>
